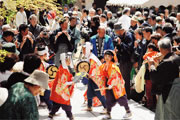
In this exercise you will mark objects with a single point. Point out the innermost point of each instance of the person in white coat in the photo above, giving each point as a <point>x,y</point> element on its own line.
<point>21,17</point>
<point>125,19</point>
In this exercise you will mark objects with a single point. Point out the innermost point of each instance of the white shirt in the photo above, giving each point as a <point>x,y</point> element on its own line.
<point>126,21</point>
<point>103,24</point>
<point>21,18</point>
<point>88,4</point>
<point>55,25</point>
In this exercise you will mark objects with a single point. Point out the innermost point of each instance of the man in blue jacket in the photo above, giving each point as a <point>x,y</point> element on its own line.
<point>101,42</point>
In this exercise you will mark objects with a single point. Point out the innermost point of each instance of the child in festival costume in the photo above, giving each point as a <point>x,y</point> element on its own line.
<point>114,89</point>
<point>93,83</point>
<point>43,53</point>
<point>61,92</point>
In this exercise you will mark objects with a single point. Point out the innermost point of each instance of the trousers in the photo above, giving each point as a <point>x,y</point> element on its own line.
<point>92,93</point>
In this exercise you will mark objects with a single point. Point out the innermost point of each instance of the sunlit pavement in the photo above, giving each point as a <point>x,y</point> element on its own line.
<point>139,112</point>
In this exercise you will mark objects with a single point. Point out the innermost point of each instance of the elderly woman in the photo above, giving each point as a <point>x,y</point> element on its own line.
<point>21,103</point>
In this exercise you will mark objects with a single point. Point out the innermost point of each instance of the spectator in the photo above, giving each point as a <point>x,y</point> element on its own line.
<point>61,40</point>
<point>109,16</point>
<point>152,21</point>
<point>74,33</point>
<point>95,23</point>
<point>31,62</point>
<point>134,25</point>
<point>163,76</point>
<point>26,40</point>
<point>99,11</point>
<point>124,51</point>
<point>21,17</point>
<point>125,19</point>
<point>103,20</point>
<point>65,9</point>
<point>84,17</point>
<point>21,103</point>
<point>167,31</point>
<point>155,37</point>
<point>139,46</point>
<point>92,13</point>
<point>159,20</point>
<point>159,30</point>
<point>176,45</point>
<point>147,31</point>
<point>8,36</point>
<point>101,42</point>
<point>34,27</point>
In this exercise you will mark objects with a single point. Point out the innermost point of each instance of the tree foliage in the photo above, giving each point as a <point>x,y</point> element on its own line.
<point>9,7</point>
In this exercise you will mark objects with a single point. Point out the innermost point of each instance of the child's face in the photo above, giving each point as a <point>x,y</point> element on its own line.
<point>150,49</point>
<point>84,50</point>
<point>107,58</point>
<point>102,60</point>
<point>68,61</point>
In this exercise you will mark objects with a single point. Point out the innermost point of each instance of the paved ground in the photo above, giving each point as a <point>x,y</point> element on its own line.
<point>139,112</point>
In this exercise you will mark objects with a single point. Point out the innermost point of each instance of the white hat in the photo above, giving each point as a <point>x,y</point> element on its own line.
<point>39,78</point>
<point>41,50</point>
<point>63,57</point>
<point>4,95</point>
<point>88,47</point>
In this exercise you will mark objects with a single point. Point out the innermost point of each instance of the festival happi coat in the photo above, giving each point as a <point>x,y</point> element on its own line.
<point>94,67</point>
<point>60,92</point>
<point>93,72</point>
<point>150,54</point>
<point>114,78</point>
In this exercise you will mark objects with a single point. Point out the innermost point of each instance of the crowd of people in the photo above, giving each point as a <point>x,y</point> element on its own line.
<point>131,56</point>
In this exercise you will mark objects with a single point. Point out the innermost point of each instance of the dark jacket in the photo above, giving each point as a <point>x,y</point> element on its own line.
<point>125,48</point>
<point>163,77</point>
<point>75,36</point>
<point>27,47</point>
<point>61,39</point>
<point>36,30</point>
